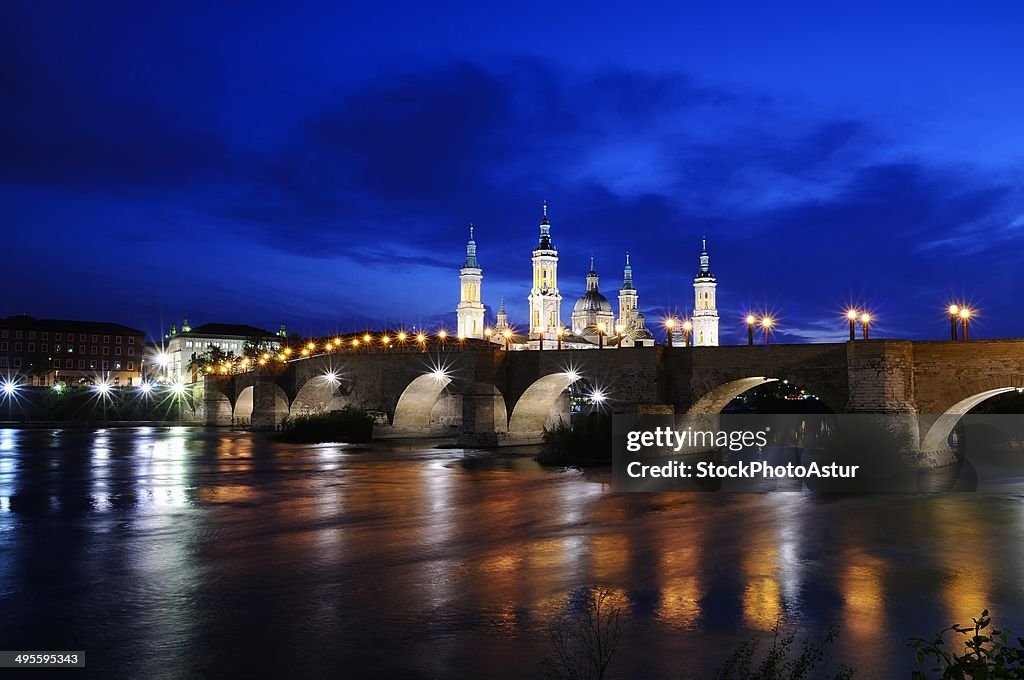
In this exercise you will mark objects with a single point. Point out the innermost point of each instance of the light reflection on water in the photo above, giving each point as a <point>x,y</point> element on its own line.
<point>136,544</point>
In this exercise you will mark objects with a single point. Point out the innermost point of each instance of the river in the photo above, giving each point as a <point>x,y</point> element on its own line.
<point>184,552</point>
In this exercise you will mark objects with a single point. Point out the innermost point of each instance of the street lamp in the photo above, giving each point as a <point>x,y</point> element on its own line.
<point>487,334</point>
<point>766,323</point>
<point>442,335</point>
<point>750,329</point>
<point>669,326</point>
<point>964,315</point>
<point>600,334</point>
<point>851,314</point>
<point>422,340</point>
<point>540,337</point>
<point>618,331</point>
<point>508,336</point>
<point>865,321</point>
<point>558,334</point>
<point>687,334</point>
<point>954,312</point>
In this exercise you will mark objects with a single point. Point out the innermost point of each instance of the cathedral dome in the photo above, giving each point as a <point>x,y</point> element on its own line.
<point>592,301</point>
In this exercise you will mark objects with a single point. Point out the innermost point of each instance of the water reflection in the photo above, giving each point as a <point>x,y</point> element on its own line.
<point>405,560</point>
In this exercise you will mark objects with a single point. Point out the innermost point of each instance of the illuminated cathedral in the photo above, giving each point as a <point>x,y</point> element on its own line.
<point>594,322</point>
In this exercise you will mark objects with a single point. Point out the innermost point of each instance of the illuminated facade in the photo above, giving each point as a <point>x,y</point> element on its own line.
<point>705,311</point>
<point>545,300</point>
<point>631,319</point>
<point>174,362</point>
<point>592,310</point>
<point>470,312</point>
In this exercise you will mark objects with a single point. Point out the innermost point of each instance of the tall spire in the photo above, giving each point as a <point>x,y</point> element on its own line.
<point>592,276</point>
<point>627,275</point>
<point>705,268</point>
<point>471,251</point>
<point>545,231</point>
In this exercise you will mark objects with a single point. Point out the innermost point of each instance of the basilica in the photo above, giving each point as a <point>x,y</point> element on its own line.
<point>594,322</point>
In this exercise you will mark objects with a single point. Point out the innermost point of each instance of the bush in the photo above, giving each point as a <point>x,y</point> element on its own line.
<point>588,442</point>
<point>984,654</point>
<point>781,661</point>
<point>350,424</point>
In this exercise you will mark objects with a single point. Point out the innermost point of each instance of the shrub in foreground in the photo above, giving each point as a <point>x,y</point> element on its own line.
<point>350,424</point>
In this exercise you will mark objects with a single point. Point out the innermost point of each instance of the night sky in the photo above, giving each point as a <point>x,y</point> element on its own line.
<point>321,167</point>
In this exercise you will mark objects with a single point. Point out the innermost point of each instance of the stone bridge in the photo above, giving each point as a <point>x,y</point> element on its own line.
<point>488,396</point>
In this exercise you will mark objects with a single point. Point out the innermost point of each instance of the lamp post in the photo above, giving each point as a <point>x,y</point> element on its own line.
<point>559,334</point>
<point>750,329</point>
<point>600,334</point>
<point>508,335</point>
<point>687,329</point>
<point>422,340</point>
<point>619,328</point>
<point>487,334</point>
<point>852,316</point>
<point>670,326</point>
<point>540,337</point>
<point>442,335</point>
<point>865,321</point>
<point>766,324</point>
<point>954,312</point>
<point>964,315</point>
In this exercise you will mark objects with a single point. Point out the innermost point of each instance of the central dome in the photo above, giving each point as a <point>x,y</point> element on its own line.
<point>592,301</point>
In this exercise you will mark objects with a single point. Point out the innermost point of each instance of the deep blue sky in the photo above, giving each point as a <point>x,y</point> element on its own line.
<point>320,167</point>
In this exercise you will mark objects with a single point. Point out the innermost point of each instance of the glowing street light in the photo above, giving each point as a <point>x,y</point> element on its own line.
<point>767,323</point>
<point>597,396</point>
<point>750,329</point>
<point>422,340</point>
<point>670,325</point>
<point>954,313</point>
<point>559,334</point>
<point>600,334</point>
<point>687,333</point>
<point>508,336</point>
<point>619,328</point>
<point>540,335</point>
<point>964,315</point>
<point>865,321</point>
<point>145,388</point>
<point>851,314</point>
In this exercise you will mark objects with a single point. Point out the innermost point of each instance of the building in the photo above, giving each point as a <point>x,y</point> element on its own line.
<point>592,312</point>
<point>470,312</point>
<point>48,351</point>
<point>174,360</point>
<point>705,311</point>
<point>594,322</point>
<point>545,300</point>
<point>631,319</point>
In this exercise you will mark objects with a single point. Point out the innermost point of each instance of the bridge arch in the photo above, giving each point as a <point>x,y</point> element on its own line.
<point>321,393</point>
<point>533,411</point>
<point>718,397</point>
<point>417,401</point>
<point>954,407</point>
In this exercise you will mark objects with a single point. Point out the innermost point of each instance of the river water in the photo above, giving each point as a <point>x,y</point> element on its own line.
<point>183,552</point>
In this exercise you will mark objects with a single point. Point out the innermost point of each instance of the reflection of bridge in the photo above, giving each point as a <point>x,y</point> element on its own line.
<point>489,396</point>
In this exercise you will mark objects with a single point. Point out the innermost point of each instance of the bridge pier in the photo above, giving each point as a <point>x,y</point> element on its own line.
<point>269,405</point>
<point>484,417</point>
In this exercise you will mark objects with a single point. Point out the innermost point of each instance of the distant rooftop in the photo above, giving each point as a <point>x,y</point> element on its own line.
<point>229,329</point>
<point>26,321</point>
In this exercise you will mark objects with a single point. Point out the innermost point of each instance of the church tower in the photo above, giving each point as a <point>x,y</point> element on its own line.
<point>705,311</point>
<point>545,300</point>
<point>627,296</point>
<point>502,325</point>
<point>470,311</point>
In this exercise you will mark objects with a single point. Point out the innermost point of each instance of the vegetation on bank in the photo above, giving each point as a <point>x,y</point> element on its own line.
<point>587,443</point>
<point>86,404</point>
<point>584,643</point>
<point>350,425</point>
